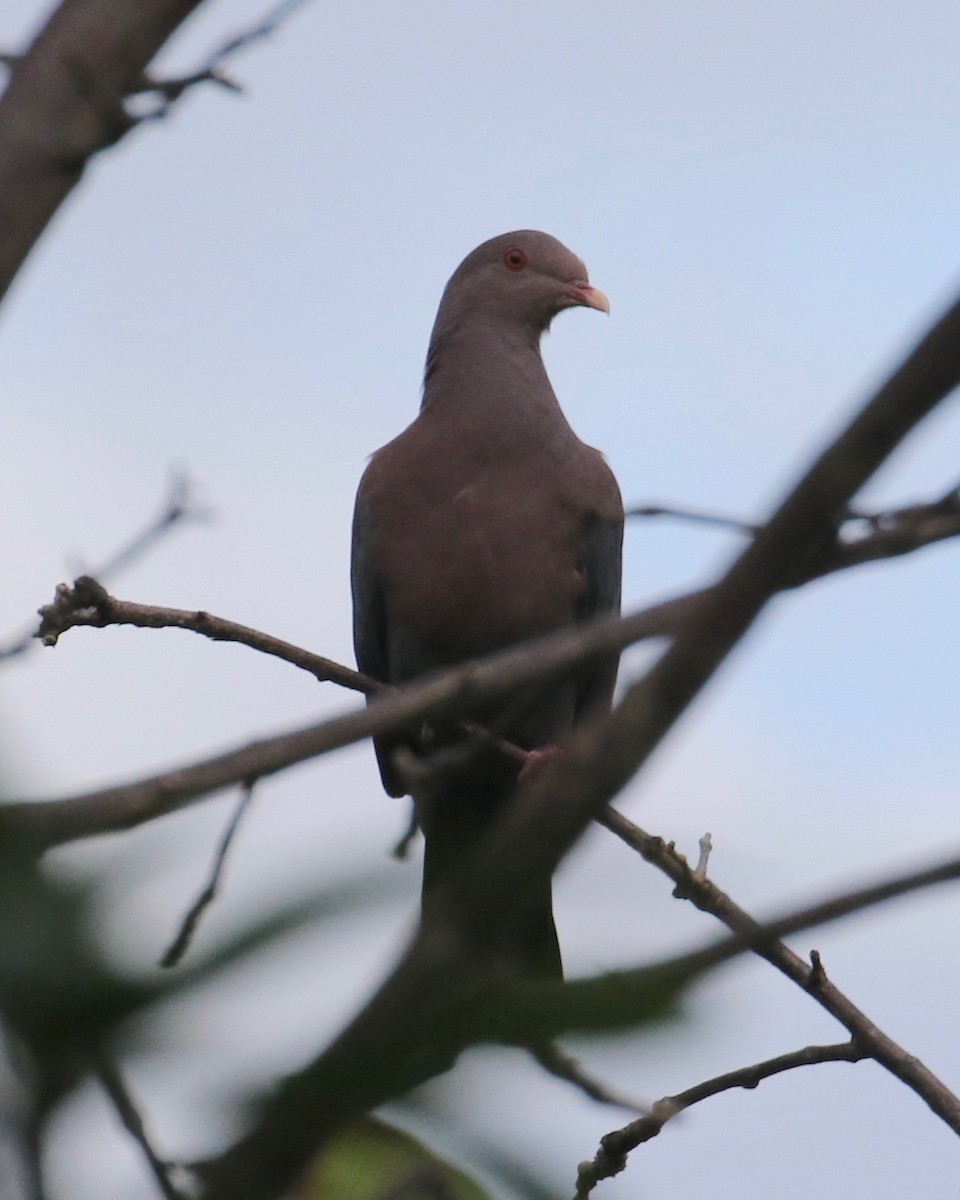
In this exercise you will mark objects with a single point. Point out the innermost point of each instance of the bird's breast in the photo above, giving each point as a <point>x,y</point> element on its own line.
<point>470,566</point>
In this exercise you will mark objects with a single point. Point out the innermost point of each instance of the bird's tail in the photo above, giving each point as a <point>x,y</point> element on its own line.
<point>452,826</point>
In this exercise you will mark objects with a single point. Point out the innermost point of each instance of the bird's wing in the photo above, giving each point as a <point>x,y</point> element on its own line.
<point>369,617</point>
<point>601,563</point>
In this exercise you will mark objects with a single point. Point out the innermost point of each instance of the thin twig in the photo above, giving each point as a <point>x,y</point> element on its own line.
<point>859,537</point>
<point>564,1066</point>
<point>87,604</point>
<point>168,91</point>
<point>765,941</point>
<point>181,943</point>
<point>611,1158</point>
<point>115,1087</point>
<point>179,507</point>
<point>697,516</point>
<point>180,504</point>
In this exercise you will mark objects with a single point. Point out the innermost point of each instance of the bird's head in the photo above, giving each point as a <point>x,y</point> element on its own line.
<point>525,277</point>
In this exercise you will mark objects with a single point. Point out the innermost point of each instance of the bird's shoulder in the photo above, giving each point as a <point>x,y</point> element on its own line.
<point>591,483</point>
<point>429,458</point>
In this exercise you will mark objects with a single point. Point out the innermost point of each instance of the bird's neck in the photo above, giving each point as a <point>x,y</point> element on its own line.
<point>488,369</point>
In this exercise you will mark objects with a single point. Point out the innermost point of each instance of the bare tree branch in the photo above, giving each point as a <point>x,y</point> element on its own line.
<point>764,940</point>
<point>611,1158</point>
<point>170,90</point>
<point>115,1087</point>
<point>87,603</point>
<point>693,885</point>
<point>437,1001</point>
<point>557,1062</point>
<point>67,100</point>
<point>694,515</point>
<point>859,537</point>
<point>188,927</point>
<point>106,810</point>
<point>65,103</point>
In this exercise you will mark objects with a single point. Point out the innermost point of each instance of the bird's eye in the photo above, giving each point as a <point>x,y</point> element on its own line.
<point>515,259</point>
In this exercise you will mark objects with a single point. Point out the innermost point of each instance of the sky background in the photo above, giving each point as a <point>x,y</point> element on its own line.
<point>768,194</point>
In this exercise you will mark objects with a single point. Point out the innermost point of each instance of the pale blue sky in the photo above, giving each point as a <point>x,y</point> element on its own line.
<point>768,193</point>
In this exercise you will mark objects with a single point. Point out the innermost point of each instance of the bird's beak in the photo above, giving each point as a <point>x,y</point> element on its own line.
<point>590,297</point>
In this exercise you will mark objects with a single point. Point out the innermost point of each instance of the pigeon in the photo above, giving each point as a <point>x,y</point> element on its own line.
<point>488,522</point>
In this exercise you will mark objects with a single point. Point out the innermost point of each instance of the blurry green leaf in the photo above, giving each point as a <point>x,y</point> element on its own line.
<point>53,983</point>
<point>342,896</point>
<point>529,1011</point>
<point>370,1160</point>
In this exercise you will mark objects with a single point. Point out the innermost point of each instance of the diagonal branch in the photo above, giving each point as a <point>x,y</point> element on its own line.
<point>561,1065</point>
<point>65,103</point>
<point>188,926</point>
<point>611,1158</point>
<point>764,940</point>
<point>437,1002</point>
<point>115,1087</point>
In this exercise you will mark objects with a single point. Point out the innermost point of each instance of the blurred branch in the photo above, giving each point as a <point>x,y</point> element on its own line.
<point>181,943</point>
<point>858,537</point>
<point>561,1065</point>
<point>693,515</point>
<point>611,1158</point>
<point>168,91</point>
<point>65,103</point>
<point>121,1099</point>
<point>179,506</point>
<point>67,100</point>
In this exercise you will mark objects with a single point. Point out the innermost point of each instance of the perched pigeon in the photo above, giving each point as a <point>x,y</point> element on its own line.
<point>485,523</point>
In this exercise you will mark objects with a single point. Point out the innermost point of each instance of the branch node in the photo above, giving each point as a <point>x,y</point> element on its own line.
<point>86,595</point>
<point>818,975</point>
<point>700,870</point>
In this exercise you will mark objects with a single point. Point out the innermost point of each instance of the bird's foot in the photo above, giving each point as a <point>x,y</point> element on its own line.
<point>536,761</point>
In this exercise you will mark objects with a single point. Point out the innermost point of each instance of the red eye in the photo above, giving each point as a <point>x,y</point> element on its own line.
<point>515,259</point>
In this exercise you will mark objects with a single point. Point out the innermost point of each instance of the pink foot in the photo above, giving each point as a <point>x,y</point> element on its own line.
<point>535,762</point>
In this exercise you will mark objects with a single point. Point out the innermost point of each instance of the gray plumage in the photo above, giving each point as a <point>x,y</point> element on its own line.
<point>485,523</point>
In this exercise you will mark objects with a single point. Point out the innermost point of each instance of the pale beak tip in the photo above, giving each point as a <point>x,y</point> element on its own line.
<point>592,297</point>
